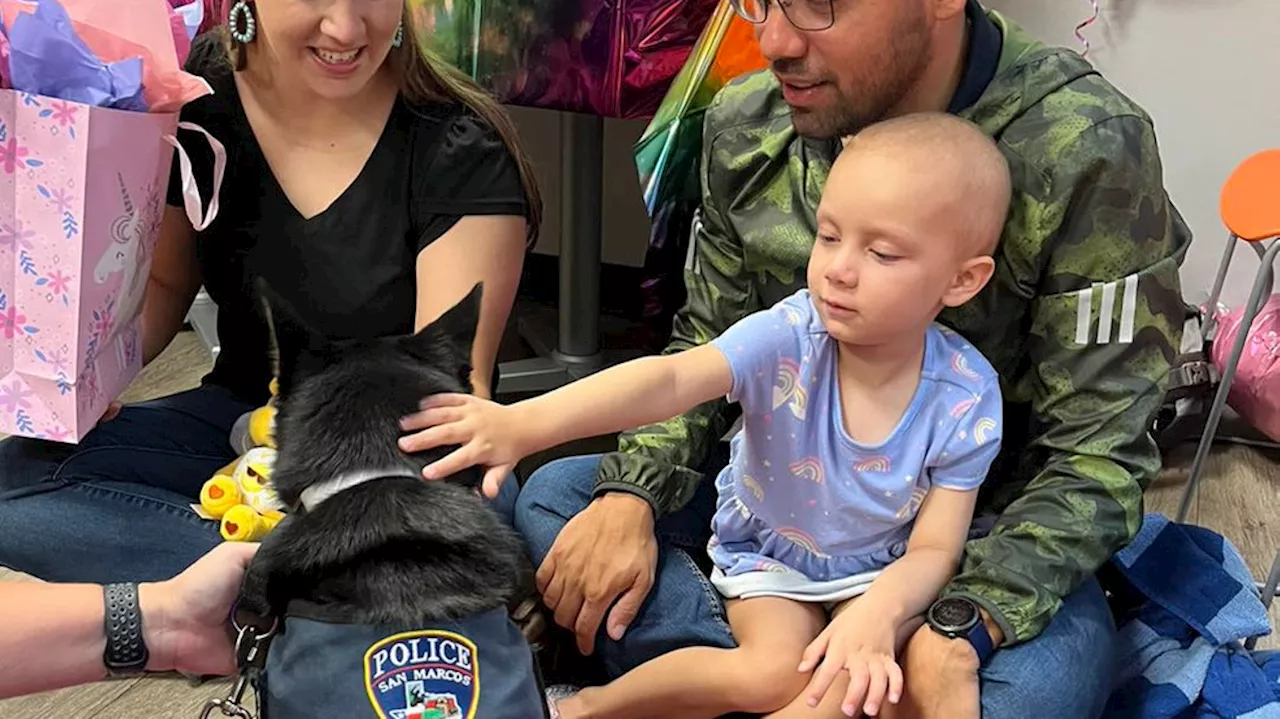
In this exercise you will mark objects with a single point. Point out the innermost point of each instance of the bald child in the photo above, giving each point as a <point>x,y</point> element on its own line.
<point>868,429</point>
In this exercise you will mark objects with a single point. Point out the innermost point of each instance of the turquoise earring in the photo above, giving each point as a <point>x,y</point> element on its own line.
<point>241,24</point>
<point>398,40</point>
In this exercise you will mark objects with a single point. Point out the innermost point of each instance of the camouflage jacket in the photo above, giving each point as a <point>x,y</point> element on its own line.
<point>1082,319</point>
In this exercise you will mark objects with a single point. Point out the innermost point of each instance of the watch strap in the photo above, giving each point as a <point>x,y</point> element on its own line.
<point>980,638</point>
<point>126,651</point>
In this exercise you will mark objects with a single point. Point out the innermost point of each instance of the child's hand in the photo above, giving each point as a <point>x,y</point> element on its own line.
<point>863,645</point>
<point>490,434</point>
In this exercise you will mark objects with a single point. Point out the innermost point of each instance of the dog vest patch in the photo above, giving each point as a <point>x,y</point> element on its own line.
<point>423,675</point>
<point>477,667</point>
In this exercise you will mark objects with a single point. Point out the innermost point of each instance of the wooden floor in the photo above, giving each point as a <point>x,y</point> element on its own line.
<point>1239,497</point>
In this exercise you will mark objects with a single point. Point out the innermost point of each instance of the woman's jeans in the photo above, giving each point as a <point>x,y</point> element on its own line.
<point>1065,671</point>
<point>117,507</point>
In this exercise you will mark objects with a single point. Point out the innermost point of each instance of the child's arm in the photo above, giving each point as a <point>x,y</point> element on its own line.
<point>935,547</point>
<point>635,393</point>
<point>909,585</point>
<point>864,635</point>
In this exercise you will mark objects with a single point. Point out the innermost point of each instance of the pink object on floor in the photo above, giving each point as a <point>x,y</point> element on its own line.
<point>1255,392</point>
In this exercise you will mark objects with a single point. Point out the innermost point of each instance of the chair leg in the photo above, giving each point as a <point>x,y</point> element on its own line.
<point>1261,286</point>
<point>1212,305</point>
<point>1268,592</point>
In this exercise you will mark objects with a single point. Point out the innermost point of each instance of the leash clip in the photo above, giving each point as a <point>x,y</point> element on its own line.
<point>231,706</point>
<point>251,657</point>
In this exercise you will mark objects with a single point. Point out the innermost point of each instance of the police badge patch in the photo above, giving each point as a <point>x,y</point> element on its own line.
<point>427,674</point>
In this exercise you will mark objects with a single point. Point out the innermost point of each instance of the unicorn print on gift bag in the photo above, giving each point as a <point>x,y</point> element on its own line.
<point>129,255</point>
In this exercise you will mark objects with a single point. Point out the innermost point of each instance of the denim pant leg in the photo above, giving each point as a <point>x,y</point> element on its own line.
<point>505,503</point>
<point>116,507</point>
<point>682,608</point>
<point>1065,671</point>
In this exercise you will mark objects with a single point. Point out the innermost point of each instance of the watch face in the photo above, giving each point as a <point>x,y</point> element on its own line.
<point>954,613</point>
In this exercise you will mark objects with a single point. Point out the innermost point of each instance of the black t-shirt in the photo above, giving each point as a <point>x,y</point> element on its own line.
<point>350,270</point>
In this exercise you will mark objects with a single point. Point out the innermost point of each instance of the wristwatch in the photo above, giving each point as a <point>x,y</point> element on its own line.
<point>126,652</point>
<point>959,618</point>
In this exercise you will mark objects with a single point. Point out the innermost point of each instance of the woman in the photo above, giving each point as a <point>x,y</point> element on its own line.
<point>370,187</point>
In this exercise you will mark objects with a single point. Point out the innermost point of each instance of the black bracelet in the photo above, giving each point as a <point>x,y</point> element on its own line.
<point>126,652</point>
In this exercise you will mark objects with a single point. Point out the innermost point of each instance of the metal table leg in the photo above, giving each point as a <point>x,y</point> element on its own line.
<point>571,351</point>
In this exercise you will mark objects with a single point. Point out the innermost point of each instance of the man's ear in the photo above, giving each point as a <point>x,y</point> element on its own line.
<point>294,344</point>
<point>455,330</point>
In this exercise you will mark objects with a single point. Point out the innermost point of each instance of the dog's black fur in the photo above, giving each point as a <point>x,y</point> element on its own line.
<point>399,550</point>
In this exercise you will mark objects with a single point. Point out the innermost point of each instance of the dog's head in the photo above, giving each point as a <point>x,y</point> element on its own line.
<point>339,403</point>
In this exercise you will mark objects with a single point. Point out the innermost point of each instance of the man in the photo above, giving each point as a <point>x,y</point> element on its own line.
<point>1082,321</point>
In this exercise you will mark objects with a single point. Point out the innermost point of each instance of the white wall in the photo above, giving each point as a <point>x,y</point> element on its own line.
<point>1208,72</point>
<point>1209,76</point>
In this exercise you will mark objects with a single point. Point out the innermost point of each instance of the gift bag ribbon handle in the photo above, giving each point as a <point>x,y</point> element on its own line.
<point>190,191</point>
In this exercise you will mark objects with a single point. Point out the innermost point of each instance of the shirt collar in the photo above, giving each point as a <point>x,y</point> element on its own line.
<point>980,62</point>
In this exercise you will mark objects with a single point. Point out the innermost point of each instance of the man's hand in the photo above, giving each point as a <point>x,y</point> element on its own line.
<point>940,678</point>
<point>185,620</point>
<point>607,551</point>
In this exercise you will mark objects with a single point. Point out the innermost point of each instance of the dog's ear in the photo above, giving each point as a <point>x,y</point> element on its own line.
<point>454,331</point>
<point>295,346</point>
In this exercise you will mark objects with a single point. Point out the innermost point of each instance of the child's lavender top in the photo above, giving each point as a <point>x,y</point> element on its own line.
<point>794,466</point>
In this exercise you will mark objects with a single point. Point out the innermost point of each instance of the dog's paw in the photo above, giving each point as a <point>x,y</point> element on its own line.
<point>557,694</point>
<point>531,617</point>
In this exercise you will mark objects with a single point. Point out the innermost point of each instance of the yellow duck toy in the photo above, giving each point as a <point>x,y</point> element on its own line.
<point>239,495</point>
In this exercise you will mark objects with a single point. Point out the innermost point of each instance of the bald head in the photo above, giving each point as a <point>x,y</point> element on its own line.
<point>955,170</point>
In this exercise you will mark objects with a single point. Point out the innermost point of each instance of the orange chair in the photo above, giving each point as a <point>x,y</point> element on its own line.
<point>1250,208</point>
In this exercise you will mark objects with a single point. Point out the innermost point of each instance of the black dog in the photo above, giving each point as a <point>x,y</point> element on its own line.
<point>392,593</point>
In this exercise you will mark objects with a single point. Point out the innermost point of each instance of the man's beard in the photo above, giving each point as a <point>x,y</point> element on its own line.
<point>880,92</point>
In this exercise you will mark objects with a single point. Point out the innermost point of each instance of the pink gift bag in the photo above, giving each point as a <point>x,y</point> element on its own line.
<point>1255,392</point>
<point>82,193</point>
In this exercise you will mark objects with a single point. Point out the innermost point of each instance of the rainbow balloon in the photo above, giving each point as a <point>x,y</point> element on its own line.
<point>667,153</point>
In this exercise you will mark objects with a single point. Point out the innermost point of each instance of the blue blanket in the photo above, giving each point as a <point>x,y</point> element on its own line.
<point>1185,603</point>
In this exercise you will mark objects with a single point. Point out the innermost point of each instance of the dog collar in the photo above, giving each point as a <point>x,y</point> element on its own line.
<point>312,496</point>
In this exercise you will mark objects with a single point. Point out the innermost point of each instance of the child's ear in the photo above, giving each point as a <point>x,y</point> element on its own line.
<point>453,332</point>
<point>295,346</point>
<point>969,281</point>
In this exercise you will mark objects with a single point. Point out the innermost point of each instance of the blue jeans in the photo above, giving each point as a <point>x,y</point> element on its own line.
<point>117,507</point>
<point>1061,668</point>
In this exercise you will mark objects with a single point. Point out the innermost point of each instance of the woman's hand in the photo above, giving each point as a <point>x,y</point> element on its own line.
<point>492,435</point>
<point>864,646</point>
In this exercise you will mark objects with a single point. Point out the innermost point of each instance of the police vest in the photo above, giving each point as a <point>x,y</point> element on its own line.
<point>479,667</point>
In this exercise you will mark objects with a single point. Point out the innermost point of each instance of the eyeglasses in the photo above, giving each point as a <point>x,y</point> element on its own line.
<point>806,15</point>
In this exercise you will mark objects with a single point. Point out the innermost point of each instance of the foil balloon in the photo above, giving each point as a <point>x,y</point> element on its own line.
<point>667,157</point>
<point>612,58</point>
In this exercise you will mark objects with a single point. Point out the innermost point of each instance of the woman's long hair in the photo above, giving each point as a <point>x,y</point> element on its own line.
<point>425,78</point>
